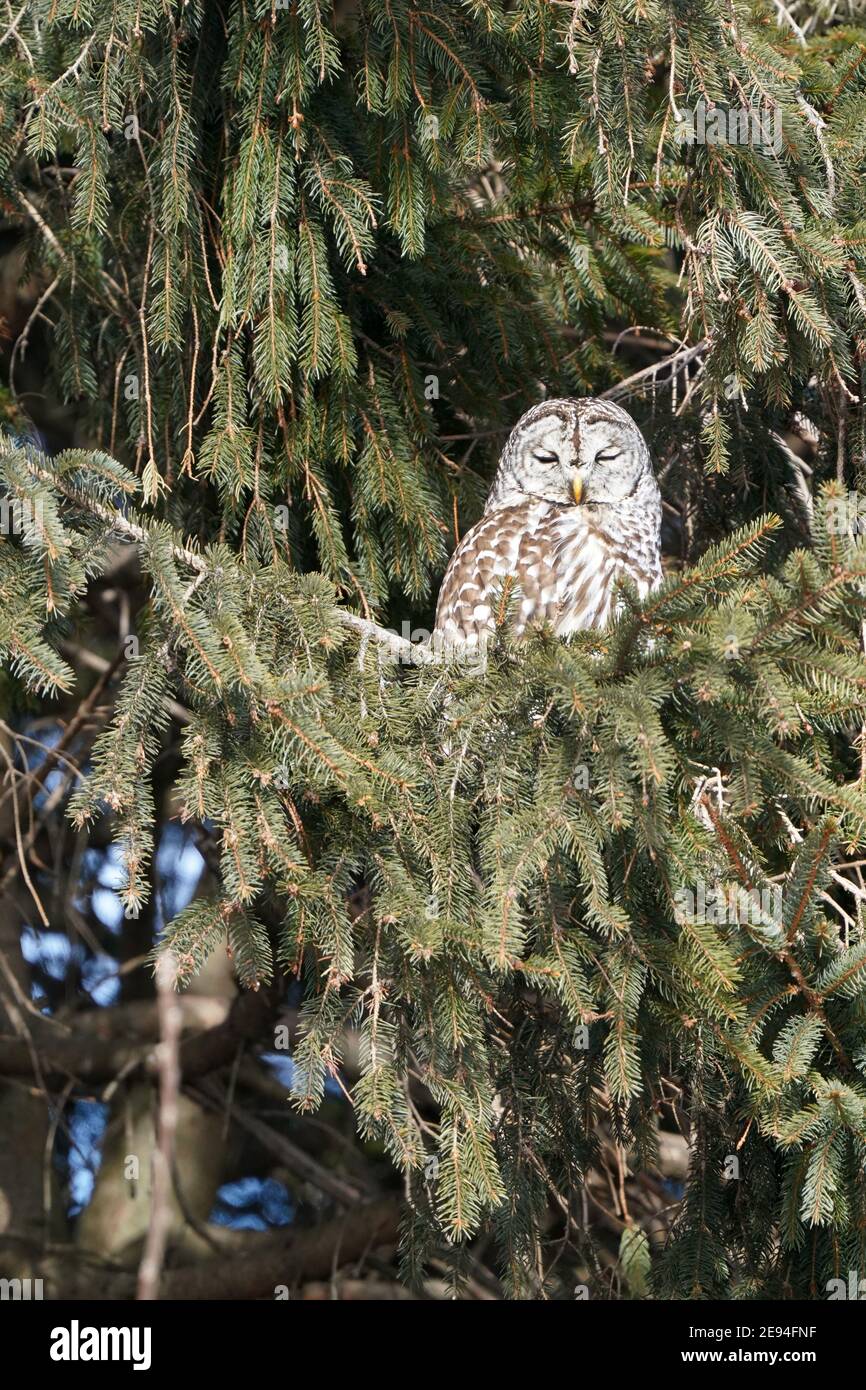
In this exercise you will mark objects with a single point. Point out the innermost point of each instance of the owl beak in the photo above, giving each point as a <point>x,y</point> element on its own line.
<point>577,488</point>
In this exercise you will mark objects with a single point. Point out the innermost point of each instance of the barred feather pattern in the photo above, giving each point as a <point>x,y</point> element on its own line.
<point>563,557</point>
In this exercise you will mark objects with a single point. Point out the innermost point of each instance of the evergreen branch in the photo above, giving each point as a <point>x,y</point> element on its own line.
<point>414,652</point>
<point>810,996</point>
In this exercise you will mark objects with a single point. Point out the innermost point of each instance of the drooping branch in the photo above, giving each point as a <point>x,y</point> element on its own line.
<point>415,653</point>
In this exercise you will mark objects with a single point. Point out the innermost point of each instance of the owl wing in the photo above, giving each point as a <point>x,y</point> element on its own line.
<point>485,557</point>
<point>562,564</point>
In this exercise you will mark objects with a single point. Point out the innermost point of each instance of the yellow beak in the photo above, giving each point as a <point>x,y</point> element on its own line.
<point>577,489</point>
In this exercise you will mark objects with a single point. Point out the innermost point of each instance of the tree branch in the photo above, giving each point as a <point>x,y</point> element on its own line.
<point>256,1270</point>
<point>416,653</point>
<point>81,1055</point>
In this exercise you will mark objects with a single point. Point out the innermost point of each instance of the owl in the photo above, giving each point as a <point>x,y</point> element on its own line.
<point>574,507</point>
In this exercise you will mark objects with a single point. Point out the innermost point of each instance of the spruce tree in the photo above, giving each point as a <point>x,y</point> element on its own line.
<point>295,269</point>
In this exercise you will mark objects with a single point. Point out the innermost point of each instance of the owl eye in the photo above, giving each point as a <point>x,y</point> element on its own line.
<point>607,455</point>
<point>543,456</point>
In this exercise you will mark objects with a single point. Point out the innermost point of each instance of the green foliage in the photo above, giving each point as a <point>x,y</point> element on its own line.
<point>299,251</point>
<point>509,904</point>
<point>304,265</point>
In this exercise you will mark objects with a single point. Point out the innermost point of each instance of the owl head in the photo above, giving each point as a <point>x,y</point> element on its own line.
<point>574,453</point>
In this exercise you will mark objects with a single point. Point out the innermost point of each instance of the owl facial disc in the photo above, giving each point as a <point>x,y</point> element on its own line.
<point>573,452</point>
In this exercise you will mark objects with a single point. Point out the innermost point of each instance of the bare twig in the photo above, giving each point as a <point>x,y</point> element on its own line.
<point>674,363</point>
<point>212,1095</point>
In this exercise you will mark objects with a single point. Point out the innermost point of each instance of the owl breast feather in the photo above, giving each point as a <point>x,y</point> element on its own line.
<point>563,563</point>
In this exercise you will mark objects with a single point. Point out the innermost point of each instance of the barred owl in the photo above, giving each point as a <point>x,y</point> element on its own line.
<point>574,506</point>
